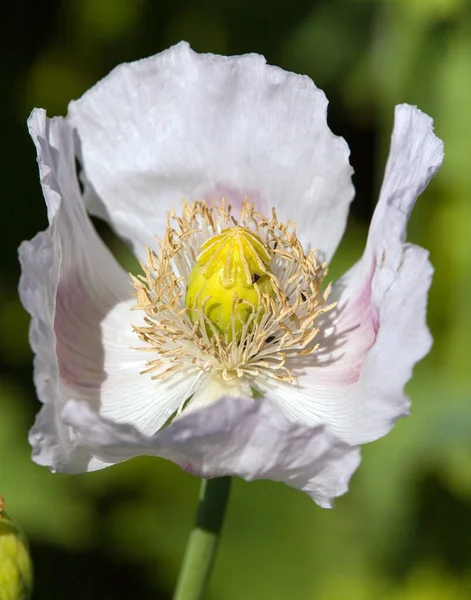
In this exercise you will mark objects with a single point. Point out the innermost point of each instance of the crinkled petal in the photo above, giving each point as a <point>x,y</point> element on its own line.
<point>81,329</point>
<point>235,436</point>
<point>183,125</point>
<point>373,338</point>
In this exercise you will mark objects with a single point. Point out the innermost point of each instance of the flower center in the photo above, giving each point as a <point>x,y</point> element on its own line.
<point>236,296</point>
<point>229,280</point>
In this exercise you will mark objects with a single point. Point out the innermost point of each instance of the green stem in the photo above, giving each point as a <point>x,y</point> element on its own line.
<point>202,544</point>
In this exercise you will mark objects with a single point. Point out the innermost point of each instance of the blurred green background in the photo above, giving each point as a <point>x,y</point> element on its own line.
<point>404,529</point>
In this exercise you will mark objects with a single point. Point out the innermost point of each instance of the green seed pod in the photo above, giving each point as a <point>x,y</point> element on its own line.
<point>16,570</point>
<point>230,276</point>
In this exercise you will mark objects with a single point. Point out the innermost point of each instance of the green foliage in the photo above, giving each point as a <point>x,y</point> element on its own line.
<point>403,532</point>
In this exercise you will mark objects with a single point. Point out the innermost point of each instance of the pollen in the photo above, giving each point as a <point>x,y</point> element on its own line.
<point>228,281</point>
<point>236,295</point>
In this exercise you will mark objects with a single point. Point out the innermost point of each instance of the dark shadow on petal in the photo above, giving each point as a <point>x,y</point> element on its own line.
<point>339,326</point>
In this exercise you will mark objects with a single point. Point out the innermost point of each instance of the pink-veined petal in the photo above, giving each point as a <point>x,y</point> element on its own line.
<point>373,338</point>
<point>234,436</point>
<point>81,329</point>
<point>184,125</point>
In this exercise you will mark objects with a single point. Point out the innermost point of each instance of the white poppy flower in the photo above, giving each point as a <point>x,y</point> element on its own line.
<point>230,354</point>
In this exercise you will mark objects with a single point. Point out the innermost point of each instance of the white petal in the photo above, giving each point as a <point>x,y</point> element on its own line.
<point>182,125</point>
<point>355,382</point>
<point>79,299</point>
<point>235,436</point>
<point>213,387</point>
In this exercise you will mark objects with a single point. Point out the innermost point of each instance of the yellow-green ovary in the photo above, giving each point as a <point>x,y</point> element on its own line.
<point>231,273</point>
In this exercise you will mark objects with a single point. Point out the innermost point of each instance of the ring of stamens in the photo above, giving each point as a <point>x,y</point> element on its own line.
<point>282,325</point>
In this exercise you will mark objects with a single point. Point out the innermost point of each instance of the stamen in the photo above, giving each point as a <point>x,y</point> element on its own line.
<point>238,296</point>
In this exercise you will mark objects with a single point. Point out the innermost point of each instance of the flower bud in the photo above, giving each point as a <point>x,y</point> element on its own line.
<point>16,571</point>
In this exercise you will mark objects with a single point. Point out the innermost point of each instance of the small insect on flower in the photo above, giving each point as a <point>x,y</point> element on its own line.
<point>231,352</point>
<point>238,299</point>
<point>16,572</point>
